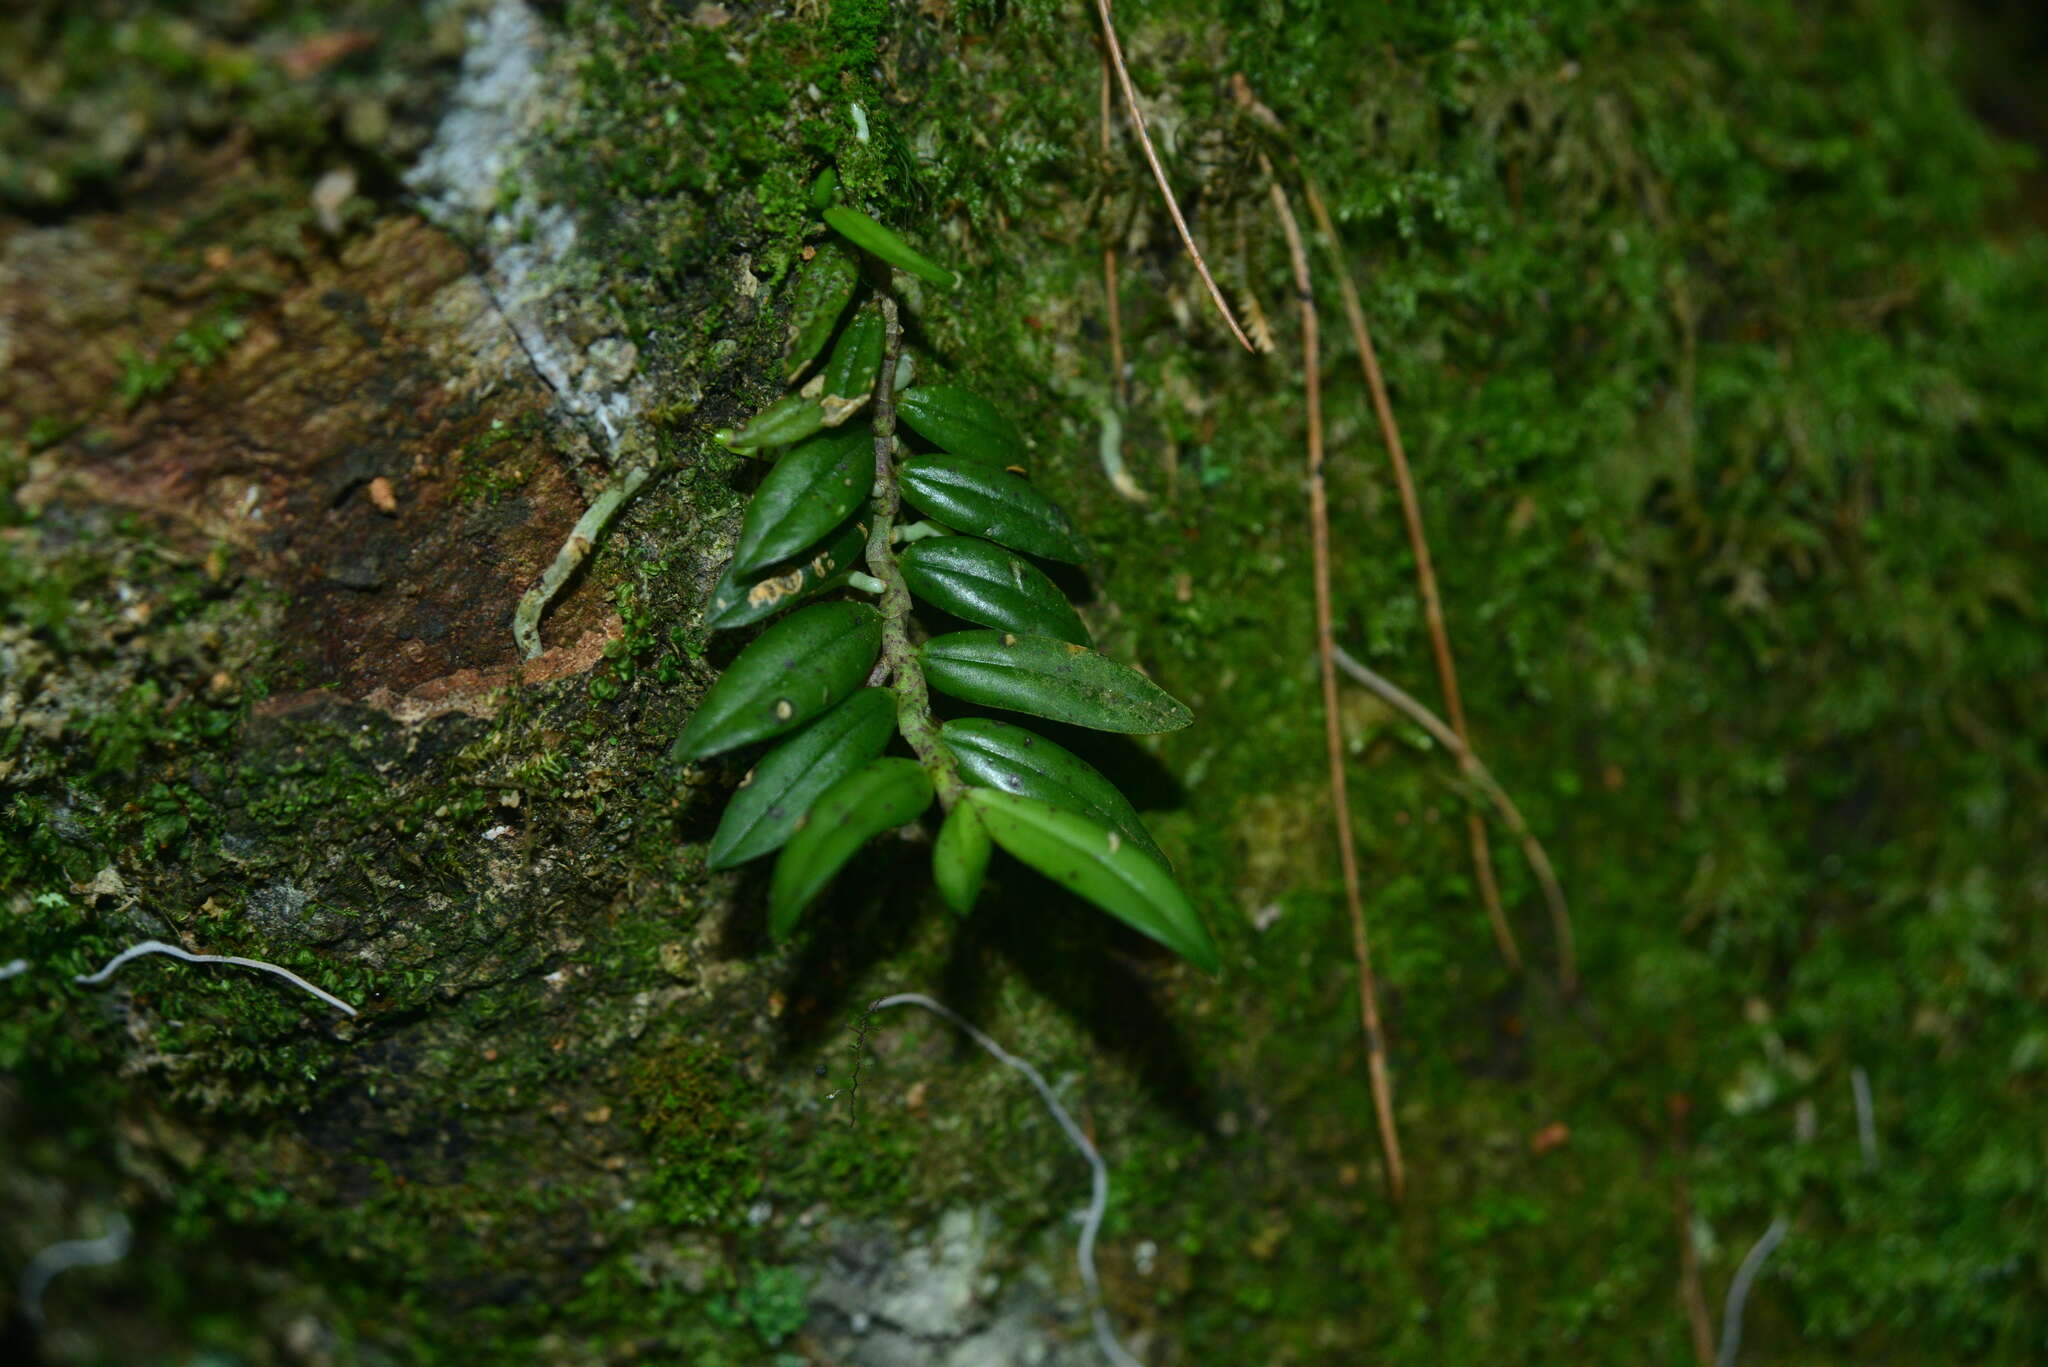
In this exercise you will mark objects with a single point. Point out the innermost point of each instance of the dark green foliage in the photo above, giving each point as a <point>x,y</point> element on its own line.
<point>1050,678</point>
<point>877,797</point>
<point>1080,855</point>
<point>789,779</point>
<point>823,793</point>
<point>973,496</point>
<point>986,584</point>
<point>810,491</point>
<point>740,600</point>
<point>962,423</point>
<point>997,754</point>
<point>960,858</point>
<point>796,670</point>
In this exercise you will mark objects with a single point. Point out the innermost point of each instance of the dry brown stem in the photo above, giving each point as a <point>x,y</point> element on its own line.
<point>1326,645</point>
<point>1123,75</point>
<point>1109,282</point>
<point>1425,573</point>
<point>1532,848</point>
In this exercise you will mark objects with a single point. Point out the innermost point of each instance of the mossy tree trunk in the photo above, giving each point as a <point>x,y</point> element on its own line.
<point>1717,338</point>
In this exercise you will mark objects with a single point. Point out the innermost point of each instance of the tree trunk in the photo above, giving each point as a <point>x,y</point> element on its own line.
<point>1715,338</point>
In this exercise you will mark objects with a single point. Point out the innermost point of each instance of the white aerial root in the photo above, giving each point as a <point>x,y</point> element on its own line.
<point>1098,1201</point>
<point>582,540</point>
<point>1738,1291</point>
<point>110,1247</point>
<point>159,947</point>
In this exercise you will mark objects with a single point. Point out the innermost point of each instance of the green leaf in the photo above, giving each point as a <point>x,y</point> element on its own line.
<point>825,188</point>
<point>884,794</point>
<point>962,422</point>
<point>960,858</point>
<point>995,754</point>
<point>856,360</point>
<point>973,496</point>
<point>741,599</point>
<point>824,287</point>
<point>788,420</point>
<point>774,796</point>
<point>1100,865</point>
<point>862,231</point>
<point>1049,678</point>
<point>987,584</point>
<point>809,492</point>
<point>796,670</point>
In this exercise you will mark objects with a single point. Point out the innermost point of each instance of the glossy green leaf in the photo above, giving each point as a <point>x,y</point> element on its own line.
<point>985,583</point>
<point>974,496</point>
<point>742,599</point>
<point>796,670</point>
<point>1049,678</point>
<point>856,360</point>
<point>809,492</point>
<point>785,422</point>
<point>825,188</point>
<point>863,232</point>
<point>1099,864</point>
<point>961,422</point>
<point>883,794</point>
<point>996,754</point>
<point>774,796</point>
<point>824,287</point>
<point>960,858</point>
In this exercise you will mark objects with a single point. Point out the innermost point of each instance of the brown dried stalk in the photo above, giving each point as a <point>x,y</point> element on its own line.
<point>1340,800</point>
<point>1532,848</point>
<point>1109,283</point>
<point>1425,576</point>
<point>1116,57</point>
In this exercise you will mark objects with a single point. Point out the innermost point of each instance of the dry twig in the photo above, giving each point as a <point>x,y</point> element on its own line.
<point>1532,848</point>
<point>1425,578</point>
<point>1691,1290</point>
<point>1340,801</point>
<point>1116,57</point>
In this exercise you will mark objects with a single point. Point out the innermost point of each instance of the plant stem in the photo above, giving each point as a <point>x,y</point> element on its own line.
<point>1377,1073</point>
<point>899,658</point>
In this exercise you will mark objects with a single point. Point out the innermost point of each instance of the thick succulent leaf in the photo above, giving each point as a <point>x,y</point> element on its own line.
<point>883,794</point>
<point>856,360</point>
<point>791,777</point>
<point>960,858</point>
<point>809,492</point>
<point>986,583</point>
<point>862,231</point>
<point>796,670</point>
<point>1049,678</point>
<point>785,422</point>
<point>740,599</point>
<point>1096,862</point>
<point>824,286</point>
<point>974,496</point>
<point>995,754</point>
<point>962,422</point>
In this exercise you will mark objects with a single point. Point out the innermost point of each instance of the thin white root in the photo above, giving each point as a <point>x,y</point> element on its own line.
<point>110,1247</point>
<point>1866,1118</point>
<point>1111,450</point>
<point>136,951</point>
<point>1098,1200</point>
<point>582,540</point>
<point>1738,1291</point>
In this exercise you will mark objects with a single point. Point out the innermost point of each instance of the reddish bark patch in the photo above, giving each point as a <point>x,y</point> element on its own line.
<point>372,439</point>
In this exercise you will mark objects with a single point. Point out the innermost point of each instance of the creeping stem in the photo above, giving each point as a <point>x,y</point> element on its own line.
<point>899,660</point>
